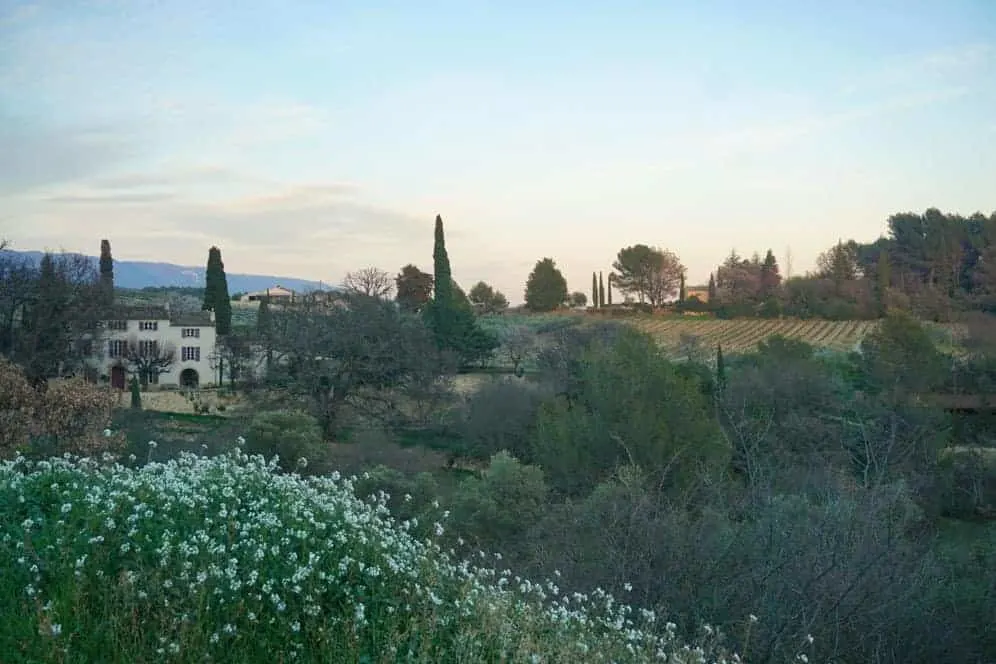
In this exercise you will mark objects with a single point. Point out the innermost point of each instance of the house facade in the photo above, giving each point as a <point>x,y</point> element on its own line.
<point>162,350</point>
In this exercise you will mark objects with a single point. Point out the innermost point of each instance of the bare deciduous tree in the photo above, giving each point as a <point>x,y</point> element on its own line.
<point>148,358</point>
<point>370,281</point>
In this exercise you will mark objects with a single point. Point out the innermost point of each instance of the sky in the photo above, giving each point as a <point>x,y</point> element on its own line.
<point>308,139</point>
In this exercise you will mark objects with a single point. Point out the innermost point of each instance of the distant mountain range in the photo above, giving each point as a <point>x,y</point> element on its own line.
<point>144,274</point>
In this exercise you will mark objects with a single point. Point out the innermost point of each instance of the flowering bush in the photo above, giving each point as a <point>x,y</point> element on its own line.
<point>225,559</point>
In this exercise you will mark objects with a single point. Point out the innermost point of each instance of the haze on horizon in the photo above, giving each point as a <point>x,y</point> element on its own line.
<point>310,138</point>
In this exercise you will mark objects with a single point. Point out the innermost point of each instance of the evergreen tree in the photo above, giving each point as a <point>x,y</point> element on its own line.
<point>770,277</point>
<point>546,288</point>
<point>414,288</point>
<point>883,279</point>
<point>608,290</point>
<point>681,289</point>
<point>449,314</point>
<point>712,289</point>
<point>720,368</point>
<point>264,329</point>
<point>595,302</point>
<point>48,325</point>
<point>601,291</point>
<point>216,297</point>
<point>136,393</point>
<point>106,283</point>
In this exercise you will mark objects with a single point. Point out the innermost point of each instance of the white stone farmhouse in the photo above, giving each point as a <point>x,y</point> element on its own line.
<point>139,339</point>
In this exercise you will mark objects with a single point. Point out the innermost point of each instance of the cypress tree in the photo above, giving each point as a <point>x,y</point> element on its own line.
<point>216,297</point>
<point>720,368</point>
<point>449,314</point>
<point>136,393</point>
<point>712,288</point>
<point>106,283</point>
<point>681,289</point>
<point>601,291</point>
<point>609,289</point>
<point>594,292</point>
<point>443,275</point>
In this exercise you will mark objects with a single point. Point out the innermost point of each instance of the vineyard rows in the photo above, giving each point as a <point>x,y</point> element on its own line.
<point>744,334</point>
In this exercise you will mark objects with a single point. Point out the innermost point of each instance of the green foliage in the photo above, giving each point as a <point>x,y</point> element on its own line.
<point>291,435</point>
<point>136,393</point>
<point>216,296</point>
<point>546,288</point>
<point>614,414</point>
<point>900,357</point>
<point>500,507</point>
<point>449,314</point>
<point>501,415</point>
<point>596,301</point>
<point>413,288</point>
<point>106,283</point>
<point>601,291</point>
<point>487,299</point>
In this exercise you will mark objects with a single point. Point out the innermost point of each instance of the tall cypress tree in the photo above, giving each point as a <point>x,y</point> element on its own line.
<point>712,289</point>
<point>608,290</point>
<point>449,315</point>
<point>720,368</point>
<point>216,297</point>
<point>594,291</point>
<point>106,283</point>
<point>601,291</point>
<point>681,289</point>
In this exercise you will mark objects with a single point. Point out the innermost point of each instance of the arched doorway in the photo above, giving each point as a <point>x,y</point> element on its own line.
<point>189,379</point>
<point>118,377</point>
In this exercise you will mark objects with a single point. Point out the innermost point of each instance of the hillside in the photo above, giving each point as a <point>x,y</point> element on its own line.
<point>143,274</point>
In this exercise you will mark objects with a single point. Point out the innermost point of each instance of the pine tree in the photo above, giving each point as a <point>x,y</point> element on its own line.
<point>106,283</point>
<point>216,297</point>
<point>546,287</point>
<point>601,291</point>
<point>595,302</point>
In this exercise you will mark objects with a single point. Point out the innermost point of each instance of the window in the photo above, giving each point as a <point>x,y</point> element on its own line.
<point>148,325</point>
<point>190,354</point>
<point>117,347</point>
<point>148,348</point>
<point>117,325</point>
<point>191,333</point>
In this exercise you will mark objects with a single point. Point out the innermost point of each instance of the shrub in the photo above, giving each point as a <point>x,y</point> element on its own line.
<point>500,415</point>
<point>61,416</point>
<point>290,435</point>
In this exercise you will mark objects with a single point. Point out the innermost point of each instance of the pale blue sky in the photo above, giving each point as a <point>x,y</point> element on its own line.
<point>310,138</point>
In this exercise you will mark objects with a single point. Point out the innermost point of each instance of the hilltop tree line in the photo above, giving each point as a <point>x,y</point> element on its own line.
<point>933,265</point>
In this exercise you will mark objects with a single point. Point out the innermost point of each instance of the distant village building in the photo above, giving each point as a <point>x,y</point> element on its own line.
<point>700,292</point>
<point>277,295</point>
